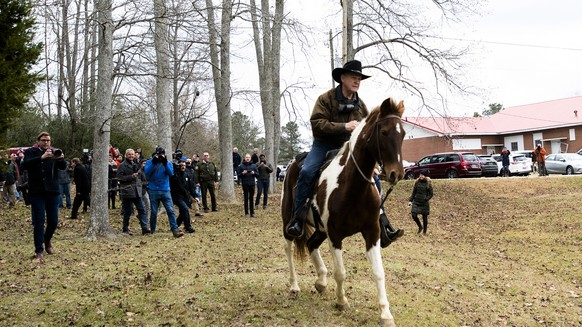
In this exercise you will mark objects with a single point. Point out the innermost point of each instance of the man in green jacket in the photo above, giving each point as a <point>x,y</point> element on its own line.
<point>206,176</point>
<point>335,115</point>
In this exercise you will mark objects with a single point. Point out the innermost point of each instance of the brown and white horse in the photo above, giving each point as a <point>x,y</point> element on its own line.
<point>348,202</point>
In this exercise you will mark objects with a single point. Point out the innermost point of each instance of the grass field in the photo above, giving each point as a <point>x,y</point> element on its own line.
<point>499,252</point>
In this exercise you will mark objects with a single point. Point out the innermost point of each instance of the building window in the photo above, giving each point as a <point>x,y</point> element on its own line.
<point>514,146</point>
<point>572,134</point>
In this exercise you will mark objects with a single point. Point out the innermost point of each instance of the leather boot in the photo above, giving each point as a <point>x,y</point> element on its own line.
<point>417,221</point>
<point>387,232</point>
<point>295,226</point>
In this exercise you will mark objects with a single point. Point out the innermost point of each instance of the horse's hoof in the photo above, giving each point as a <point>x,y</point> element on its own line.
<point>320,288</point>
<point>387,323</point>
<point>294,294</point>
<point>342,307</point>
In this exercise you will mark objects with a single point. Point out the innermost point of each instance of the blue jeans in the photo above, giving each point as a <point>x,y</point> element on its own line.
<point>262,188</point>
<point>184,213</point>
<point>65,190</point>
<point>166,198</point>
<point>309,171</point>
<point>127,203</point>
<point>44,205</point>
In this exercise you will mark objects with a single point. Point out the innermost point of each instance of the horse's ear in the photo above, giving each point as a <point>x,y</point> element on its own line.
<point>389,107</point>
<point>386,107</point>
<point>400,108</point>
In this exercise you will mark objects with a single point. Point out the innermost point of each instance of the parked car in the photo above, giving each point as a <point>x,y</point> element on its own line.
<point>564,163</point>
<point>579,152</point>
<point>446,165</point>
<point>518,164</point>
<point>406,163</point>
<point>489,166</point>
<point>529,155</point>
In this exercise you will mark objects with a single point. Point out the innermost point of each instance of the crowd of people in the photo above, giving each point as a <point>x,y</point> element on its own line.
<point>41,178</point>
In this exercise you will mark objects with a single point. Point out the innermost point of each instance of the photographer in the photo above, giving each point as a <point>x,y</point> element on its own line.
<point>158,172</point>
<point>42,162</point>
<point>263,180</point>
<point>130,190</point>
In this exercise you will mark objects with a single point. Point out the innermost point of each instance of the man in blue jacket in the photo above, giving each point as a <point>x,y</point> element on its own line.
<point>158,172</point>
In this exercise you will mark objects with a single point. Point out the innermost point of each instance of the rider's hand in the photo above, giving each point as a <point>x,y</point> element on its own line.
<point>350,126</point>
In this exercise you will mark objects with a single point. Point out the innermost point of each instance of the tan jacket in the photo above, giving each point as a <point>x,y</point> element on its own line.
<point>328,123</point>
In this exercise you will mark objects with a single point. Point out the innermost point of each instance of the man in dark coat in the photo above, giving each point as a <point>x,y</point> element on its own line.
<point>82,187</point>
<point>41,162</point>
<point>130,191</point>
<point>181,189</point>
<point>236,160</point>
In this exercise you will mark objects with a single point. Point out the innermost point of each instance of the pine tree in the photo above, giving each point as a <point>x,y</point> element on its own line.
<point>291,142</point>
<point>18,54</point>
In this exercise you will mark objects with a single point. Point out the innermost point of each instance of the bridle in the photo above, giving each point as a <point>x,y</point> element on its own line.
<point>351,154</point>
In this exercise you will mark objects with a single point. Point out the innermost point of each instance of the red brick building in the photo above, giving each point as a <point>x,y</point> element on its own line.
<point>556,124</point>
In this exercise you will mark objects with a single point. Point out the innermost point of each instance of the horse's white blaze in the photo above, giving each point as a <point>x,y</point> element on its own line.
<point>398,129</point>
<point>375,257</point>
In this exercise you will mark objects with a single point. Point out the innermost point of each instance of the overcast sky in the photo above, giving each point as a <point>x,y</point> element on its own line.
<point>523,52</point>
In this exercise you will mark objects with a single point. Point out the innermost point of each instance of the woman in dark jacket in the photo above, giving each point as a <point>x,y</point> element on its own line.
<point>247,172</point>
<point>42,161</point>
<point>419,200</point>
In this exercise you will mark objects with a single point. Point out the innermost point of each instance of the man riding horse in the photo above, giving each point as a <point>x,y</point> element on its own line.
<point>335,115</point>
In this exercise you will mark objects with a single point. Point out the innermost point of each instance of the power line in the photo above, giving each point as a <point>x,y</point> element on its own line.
<point>505,43</point>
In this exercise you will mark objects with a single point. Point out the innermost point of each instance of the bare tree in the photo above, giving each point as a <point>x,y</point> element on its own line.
<point>163,91</point>
<point>220,44</point>
<point>399,39</point>
<point>99,218</point>
<point>268,52</point>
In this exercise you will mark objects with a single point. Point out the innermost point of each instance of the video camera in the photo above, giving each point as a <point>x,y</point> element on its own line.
<point>177,156</point>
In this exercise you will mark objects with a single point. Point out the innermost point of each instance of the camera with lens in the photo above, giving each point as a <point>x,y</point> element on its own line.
<point>57,152</point>
<point>177,156</point>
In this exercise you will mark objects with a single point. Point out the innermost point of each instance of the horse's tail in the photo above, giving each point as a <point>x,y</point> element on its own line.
<point>301,248</point>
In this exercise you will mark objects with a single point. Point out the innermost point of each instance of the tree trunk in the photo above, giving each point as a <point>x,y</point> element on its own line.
<point>221,78</point>
<point>347,30</point>
<point>268,62</point>
<point>163,94</point>
<point>99,218</point>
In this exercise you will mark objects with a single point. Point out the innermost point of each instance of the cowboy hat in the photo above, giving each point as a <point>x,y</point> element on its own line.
<point>353,66</point>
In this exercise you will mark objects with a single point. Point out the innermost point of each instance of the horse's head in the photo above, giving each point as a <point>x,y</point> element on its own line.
<point>385,138</point>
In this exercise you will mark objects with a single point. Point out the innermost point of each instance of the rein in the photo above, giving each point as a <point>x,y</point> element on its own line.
<point>371,181</point>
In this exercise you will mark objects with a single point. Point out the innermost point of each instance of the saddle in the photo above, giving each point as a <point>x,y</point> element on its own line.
<point>318,236</point>
<point>300,160</point>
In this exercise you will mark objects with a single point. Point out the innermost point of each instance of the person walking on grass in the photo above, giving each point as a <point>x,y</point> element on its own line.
<point>41,162</point>
<point>247,172</point>
<point>263,180</point>
<point>422,192</point>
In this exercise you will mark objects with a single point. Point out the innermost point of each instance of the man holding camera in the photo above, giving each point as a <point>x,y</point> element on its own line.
<point>130,191</point>
<point>41,162</point>
<point>158,171</point>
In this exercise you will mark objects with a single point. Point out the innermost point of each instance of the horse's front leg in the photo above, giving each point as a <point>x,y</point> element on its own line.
<point>339,274</point>
<point>375,257</point>
<point>294,285</point>
<point>321,282</point>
